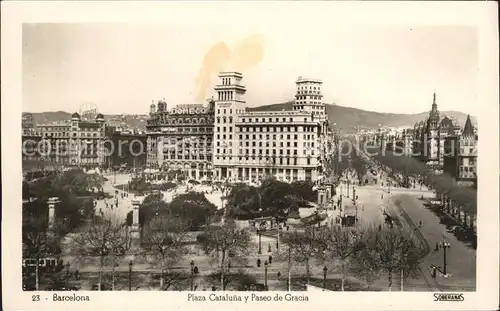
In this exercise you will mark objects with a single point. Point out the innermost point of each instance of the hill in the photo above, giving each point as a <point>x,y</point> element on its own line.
<point>347,118</point>
<point>344,118</point>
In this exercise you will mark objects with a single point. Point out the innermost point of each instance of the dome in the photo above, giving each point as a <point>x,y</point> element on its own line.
<point>100,116</point>
<point>75,115</point>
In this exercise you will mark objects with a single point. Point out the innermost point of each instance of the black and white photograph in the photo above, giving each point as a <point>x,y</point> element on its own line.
<point>260,162</point>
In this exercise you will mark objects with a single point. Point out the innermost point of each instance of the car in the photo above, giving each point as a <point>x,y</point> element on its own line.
<point>452,229</point>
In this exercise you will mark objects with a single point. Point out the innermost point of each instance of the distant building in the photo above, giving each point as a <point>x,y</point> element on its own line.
<point>129,149</point>
<point>76,142</point>
<point>181,138</point>
<point>429,137</point>
<point>460,154</point>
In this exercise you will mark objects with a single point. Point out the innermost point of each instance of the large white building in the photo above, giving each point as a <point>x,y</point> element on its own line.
<point>288,144</point>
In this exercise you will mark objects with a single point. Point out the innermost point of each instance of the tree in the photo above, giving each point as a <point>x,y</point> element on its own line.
<point>389,250</point>
<point>242,202</point>
<point>102,238</point>
<point>341,243</point>
<point>193,209</point>
<point>163,239</point>
<point>304,246</point>
<point>226,241</point>
<point>38,243</point>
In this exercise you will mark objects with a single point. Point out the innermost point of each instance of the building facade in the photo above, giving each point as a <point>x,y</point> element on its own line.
<point>129,149</point>
<point>181,138</point>
<point>77,142</point>
<point>430,135</point>
<point>249,146</point>
<point>460,155</point>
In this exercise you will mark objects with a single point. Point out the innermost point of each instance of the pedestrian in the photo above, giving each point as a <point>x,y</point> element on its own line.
<point>77,275</point>
<point>437,247</point>
<point>420,224</point>
<point>258,262</point>
<point>270,259</point>
<point>434,272</point>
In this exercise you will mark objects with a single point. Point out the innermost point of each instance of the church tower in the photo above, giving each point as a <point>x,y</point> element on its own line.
<point>230,101</point>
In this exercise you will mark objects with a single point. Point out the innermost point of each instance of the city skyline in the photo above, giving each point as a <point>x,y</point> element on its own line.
<point>122,68</point>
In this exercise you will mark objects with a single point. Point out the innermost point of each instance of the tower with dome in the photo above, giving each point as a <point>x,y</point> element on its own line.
<point>430,134</point>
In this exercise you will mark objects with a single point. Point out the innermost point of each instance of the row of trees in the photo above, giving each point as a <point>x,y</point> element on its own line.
<point>74,190</point>
<point>191,209</point>
<point>165,243</point>
<point>365,252</point>
<point>271,198</point>
<point>454,197</point>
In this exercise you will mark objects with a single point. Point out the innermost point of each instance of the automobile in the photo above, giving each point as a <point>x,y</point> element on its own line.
<point>452,229</point>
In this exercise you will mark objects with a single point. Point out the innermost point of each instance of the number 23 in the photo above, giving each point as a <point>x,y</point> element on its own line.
<point>35,297</point>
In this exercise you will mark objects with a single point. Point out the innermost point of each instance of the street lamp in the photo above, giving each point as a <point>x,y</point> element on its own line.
<point>260,244</point>
<point>444,245</point>
<point>278,240</point>
<point>325,270</point>
<point>67,274</point>
<point>192,274</point>
<point>130,275</point>
<point>265,274</point>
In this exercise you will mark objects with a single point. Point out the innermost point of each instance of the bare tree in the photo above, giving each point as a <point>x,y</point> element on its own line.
<point>389,250</point>
<point>304,247</point>
<point>38,242</point>
<point>226,241</point>
<point>340,243</point>
<point>163,239</point>
<point>102,238</point>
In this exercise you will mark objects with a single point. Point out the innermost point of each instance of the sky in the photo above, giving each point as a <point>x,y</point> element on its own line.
<point>122,68</point>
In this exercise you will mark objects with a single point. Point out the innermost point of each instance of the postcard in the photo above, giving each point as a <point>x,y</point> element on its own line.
<point>242,155</point>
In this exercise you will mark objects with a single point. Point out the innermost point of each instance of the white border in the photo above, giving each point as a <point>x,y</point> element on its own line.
<point>483,15</point>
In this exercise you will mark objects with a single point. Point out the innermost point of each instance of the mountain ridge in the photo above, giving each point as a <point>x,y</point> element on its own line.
<point>347,119</point>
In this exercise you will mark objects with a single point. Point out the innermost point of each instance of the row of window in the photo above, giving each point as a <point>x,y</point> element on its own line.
<point>267,151</point>
<point>308,97</point>
<point>273,161</point>
<point>281,137</point>
<point>270,120</point>
<point>308,92</point>
<point>313,129</point>
<point>307,87</point>
<point>187,157</point>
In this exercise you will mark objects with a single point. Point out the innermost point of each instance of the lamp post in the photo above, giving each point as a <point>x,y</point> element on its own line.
<point>348,185</point>
<point>130,275</point>
<point>354,194</point>
<point>192,274</point>
<point>265,274</point>
<point>325,270</point>
<point>67,275</point>
<point>444,245</point>
<point>278,240</point>
<point>260,244</point>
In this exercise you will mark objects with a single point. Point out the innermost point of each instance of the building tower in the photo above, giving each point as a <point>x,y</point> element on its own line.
<point>230,100</point>
<point>308,97</point>
<point>75,143</point>
<point>433,135</point>
<point>100,142</point>
<point>152,108</point>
